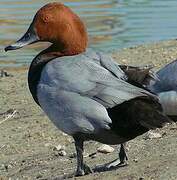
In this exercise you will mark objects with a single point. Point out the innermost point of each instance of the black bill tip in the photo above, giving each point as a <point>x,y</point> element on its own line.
<point>11,47</point>
<point>29,37</point>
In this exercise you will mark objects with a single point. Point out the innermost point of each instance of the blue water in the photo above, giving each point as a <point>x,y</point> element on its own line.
<point>112,24</point>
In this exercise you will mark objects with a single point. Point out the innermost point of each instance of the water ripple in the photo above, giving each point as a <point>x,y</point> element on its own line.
<point>111,24</point>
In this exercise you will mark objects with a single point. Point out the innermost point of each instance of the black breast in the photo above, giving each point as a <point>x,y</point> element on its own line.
<point>34,75</point>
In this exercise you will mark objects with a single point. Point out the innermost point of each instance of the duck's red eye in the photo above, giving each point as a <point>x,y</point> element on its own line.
<point>46,19</point>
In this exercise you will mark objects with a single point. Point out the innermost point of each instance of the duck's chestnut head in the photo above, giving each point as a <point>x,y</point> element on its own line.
<point>55,23</point>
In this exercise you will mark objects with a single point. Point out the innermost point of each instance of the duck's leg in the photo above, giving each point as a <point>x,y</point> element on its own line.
<point>120,162</point>
<point>82,168</point>
<point>122,155</point>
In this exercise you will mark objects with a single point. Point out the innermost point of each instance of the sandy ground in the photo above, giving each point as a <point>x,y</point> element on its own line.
<point>28,139</point>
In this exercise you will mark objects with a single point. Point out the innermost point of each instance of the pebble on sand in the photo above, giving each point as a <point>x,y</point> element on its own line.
<point>105,149</point>
<point>58,148</point>
<point>152,135</point>
<point>62,153</point>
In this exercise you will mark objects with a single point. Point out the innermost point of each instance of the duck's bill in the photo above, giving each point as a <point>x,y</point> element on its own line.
<point>29,37</point>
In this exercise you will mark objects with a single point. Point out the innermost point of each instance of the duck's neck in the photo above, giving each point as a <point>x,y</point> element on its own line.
<point>40,61</point>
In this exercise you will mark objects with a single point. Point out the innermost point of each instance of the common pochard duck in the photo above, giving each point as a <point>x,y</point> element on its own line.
<point>85,93</point>
<point>166,88</point>
<point>163,83</point>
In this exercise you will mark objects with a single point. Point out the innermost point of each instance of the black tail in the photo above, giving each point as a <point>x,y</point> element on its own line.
<point>135,117</point>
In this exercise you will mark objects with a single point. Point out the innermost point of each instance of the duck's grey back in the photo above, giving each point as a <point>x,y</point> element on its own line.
<point>167,78</point>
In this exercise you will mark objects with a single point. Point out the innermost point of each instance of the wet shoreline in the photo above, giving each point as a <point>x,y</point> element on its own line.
<point>158,54</point>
